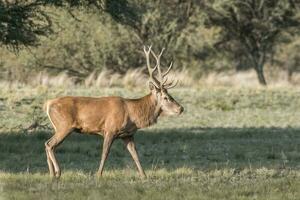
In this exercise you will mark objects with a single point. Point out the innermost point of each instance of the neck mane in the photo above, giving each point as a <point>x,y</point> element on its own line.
<point>143,111</point>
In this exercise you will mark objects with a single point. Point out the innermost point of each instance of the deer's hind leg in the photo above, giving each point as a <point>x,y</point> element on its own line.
<point>62,122</point>
<point>49,161</point>
<point>51,144</point>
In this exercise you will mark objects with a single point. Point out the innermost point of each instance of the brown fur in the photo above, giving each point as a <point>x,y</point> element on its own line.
<point>103,115</point>
<point>111,117</point>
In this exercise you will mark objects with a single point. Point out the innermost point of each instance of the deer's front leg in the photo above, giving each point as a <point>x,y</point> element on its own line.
<point>129,142</point>
<point>108,140</point>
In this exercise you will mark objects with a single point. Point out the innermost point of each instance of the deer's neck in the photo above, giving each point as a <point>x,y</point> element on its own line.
<point>144,111</point>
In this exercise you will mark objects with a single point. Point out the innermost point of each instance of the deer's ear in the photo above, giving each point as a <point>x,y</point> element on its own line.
<point>152,86</point>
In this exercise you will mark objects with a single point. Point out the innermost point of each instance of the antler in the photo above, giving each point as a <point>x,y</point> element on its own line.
<point>161,82</point>
<point>151,70</point>
<point>157,58</point>
<point>162,78</point>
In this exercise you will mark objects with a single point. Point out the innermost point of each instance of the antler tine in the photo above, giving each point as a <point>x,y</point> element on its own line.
<point>151,70</point>
<point>157,58</point>
<point>171,85</point>
<point>170,67</point>
<point>165,80</point>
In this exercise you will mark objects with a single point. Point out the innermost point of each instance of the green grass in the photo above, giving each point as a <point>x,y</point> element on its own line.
<point>229,144</point>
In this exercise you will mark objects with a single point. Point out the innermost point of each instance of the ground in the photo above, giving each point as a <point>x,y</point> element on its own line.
<point>228,144</point>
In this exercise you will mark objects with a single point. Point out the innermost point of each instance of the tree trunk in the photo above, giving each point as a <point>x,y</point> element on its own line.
<point>259,62</point>
<point>261,76</point>
<point>290,75</point>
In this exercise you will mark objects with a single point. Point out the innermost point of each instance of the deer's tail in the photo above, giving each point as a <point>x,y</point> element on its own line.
<point>46,108</point>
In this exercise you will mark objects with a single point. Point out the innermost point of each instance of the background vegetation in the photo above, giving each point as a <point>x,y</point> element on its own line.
<point>82,37</point>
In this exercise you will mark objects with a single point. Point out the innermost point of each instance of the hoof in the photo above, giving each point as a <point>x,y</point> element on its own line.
<point>57,175</point>
<point>99,174</point>
<point>143,176</point>
<point>51,174</point>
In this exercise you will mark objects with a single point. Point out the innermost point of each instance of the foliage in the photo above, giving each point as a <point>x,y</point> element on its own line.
<point>21,23</point>
<point>89,42</point>
<point>84,37</point>
<point>285,55</point>
<point>102,44</point>
<point>250,28</point>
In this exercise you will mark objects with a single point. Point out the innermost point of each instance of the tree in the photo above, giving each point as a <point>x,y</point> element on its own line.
<point>151,18</point>
<point>287,54</point>
<point>251,27</point>
<point>154,22</point>
<point>22,22</point>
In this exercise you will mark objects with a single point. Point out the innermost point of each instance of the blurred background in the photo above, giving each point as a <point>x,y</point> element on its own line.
<point>100,42</point>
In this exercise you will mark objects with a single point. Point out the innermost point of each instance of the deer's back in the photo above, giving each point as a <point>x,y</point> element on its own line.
<point>89,114</point>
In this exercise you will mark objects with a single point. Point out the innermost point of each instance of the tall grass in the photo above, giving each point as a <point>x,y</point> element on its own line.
<point>138,77</point>
<point>105,78</point>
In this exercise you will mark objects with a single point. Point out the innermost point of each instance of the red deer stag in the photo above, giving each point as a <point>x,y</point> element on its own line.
<point>112,117</point>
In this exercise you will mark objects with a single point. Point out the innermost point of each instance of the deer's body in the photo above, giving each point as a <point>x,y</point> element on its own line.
<point>102,115</point>
<point>112,117</point>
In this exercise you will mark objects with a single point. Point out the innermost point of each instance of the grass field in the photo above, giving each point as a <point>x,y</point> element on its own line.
<point>228,144</point>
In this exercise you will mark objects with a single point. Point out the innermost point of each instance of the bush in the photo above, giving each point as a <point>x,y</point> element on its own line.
<point>81,47</point>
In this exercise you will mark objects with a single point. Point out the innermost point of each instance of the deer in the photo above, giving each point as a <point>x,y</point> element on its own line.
<point>111,117</point>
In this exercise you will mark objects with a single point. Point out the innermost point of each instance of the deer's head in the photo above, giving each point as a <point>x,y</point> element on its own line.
<point>159,85</point>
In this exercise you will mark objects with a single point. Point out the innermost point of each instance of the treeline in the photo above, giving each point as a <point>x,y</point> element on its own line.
<point>80,37</point>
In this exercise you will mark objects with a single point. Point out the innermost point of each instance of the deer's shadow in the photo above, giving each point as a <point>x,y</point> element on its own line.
<point>196,147</point>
